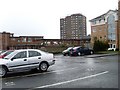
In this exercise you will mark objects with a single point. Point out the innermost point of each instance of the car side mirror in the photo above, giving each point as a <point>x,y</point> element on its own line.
<point>12,59</point>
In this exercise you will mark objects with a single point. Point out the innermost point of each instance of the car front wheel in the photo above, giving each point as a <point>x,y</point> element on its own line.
<point>64,54</point>
<point>3,71</point>
<point>79,53</point>
<point>43,67</point>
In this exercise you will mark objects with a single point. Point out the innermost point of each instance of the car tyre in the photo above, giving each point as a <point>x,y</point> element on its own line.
<point>91,52</point>
<point>79,53</point>
<point>64,54</point>
<point>3,71</point>
<point>43,67</point>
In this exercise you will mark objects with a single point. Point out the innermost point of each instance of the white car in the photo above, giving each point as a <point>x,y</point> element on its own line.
<point>111,49</point>
<point>26,59</point>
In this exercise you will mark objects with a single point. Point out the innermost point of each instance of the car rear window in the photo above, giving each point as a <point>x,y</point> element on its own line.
<point>34,53</point>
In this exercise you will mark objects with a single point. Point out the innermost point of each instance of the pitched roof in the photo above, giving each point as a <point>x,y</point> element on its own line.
<point>102,16</point>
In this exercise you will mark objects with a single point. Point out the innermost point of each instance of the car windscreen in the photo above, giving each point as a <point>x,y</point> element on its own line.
<point>69,48</point>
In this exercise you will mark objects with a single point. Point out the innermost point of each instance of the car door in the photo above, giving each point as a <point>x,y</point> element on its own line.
<point>19,61</point>
<point>86,50</point>
<point>34,58</point>
<point>81,50</point>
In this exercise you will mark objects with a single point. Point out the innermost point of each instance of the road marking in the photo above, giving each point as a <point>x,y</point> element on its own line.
<point>90,69</point>
<point>9,83</point>
<point>91,76</point>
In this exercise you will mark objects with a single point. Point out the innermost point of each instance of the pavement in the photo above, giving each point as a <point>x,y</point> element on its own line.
<point>100,55</point>
<point>96,55</point>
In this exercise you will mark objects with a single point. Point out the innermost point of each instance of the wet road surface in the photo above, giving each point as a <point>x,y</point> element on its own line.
<point>69,72</point>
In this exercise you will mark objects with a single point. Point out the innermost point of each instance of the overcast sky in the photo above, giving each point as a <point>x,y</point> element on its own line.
<point>42,17</point>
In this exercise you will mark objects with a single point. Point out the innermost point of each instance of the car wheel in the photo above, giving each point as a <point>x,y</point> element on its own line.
<point>64,54</point>
<point>3,71</point>
<point>91,52</point>
<point>68,54</point>
<point>79,54</point>
<point>43,67</point>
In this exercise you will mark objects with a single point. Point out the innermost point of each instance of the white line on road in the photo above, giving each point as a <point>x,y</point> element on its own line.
<point>9,83</point>
<point>73,80</point>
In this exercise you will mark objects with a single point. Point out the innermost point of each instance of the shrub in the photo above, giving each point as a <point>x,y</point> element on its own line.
<point>100,46</point>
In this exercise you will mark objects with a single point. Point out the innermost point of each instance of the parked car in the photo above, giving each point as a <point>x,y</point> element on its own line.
<point>67,51</point>
<point>78,51</point>
<point>5,53</point>
<point>2,51</point>
<point>111,49</point>
<point>26,59</point>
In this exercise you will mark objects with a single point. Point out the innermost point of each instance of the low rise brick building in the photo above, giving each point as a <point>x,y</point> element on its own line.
<point>9,41</point>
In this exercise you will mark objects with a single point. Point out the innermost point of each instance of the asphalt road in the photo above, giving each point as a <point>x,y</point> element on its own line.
<point>69,72</point>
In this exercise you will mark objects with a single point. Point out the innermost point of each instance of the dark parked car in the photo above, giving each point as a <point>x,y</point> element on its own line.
<point>78,51</point>
<point>67,51</point>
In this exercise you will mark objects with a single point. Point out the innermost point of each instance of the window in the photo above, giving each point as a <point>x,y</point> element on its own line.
<point>111,27</point>
<point>24,40</point>
<point>94,30</point>
<point>18,40</point>
<point>13,39</point>
<point>22,54</point>
<point>99,20</point>
<point>104,18</point>
<point>86,48</point>
<point>114,46</point>
<point>34,53</point>
<point>95,22</point>
<point>29,40</point>
<point>110,46</point>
